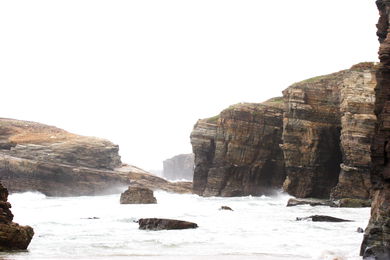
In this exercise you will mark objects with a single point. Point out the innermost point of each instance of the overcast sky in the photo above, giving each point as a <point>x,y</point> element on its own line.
<point>141,72</point>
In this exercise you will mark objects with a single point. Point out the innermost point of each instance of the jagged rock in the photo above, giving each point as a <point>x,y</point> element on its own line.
<point>237,153</point>
<point>12,235</point>
<point>376,242</point>
<point>311,202</point>
<point>137,195</point>
<point>354,203</point>
<point>318,112</point>
<point>226,208</point>
<point>161,224</point>
<point>54,162</point>
<point>179,167</point>
<point>323,218</point>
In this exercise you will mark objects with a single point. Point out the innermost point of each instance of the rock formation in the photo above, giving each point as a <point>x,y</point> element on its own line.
<point>237,153</point>
<point>323,218</point>
<point>319,112</point>
<point>137,195</point>
<point>12,235</point>
<point>161,224</point>
<point>50,160</point>
<point>179,167</point>
<point>376,243</point>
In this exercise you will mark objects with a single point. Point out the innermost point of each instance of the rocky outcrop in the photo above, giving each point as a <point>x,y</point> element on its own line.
<point>12,235</point>
<point>179,167</point>
<point>237,153</point>
<point>137,195</point>
<point>37,157</point>
<point>327,129</point>
<point>167,224</point>
<point>312,202</point>
<point>376,243</point>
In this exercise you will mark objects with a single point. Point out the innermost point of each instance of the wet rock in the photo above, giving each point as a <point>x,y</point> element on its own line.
<point>237,153</point>
<point>360,230</point>
<point>354,203</point>
<point>226,208</point>
<point>12,235</point>
<point>323,218</point>
<point>137,195</point>
<point>312,202</point>
<point>161,224</point>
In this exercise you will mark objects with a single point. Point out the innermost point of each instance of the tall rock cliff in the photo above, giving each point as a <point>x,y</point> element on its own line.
<point>12,235</point>
<point>47,159</point>
<point>179,167</point>
<point>376,243</point>
<point>237,153</point>
<point>327,128</point>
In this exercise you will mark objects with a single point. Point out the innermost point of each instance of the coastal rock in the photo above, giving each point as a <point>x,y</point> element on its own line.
<point>161,224</point>
<point>12,235</point>
<point>179,167</point>
<point>323,218</point>
<point>319,112</point>
<point>226,208</point>
<point>353,203</point>
<point>237,153</point>
<point>312,202</point>
<point>37,157</point>
<point>137,195</point>
<point>376,242</point>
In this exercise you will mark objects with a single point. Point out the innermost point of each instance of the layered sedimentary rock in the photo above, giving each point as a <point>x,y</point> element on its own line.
<point>376,243</point>
<point>12,235</point>
<point>237,152</point>
<point>43,158</point>
<point>179,167</point>
<point>327,128</point>
<point>137,195</point>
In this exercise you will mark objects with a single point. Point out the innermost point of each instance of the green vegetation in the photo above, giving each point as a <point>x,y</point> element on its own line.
<point>212,120</point>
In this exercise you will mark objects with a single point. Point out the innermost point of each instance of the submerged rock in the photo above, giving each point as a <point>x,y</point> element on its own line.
<point>226,208</point>
<point>161,224</point>
<point>137,195</point>
<point>12,235</point>
<point>312,202</point>
<point>323,218</point>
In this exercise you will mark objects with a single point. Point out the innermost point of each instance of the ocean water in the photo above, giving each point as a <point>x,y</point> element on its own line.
<point>258,228</point>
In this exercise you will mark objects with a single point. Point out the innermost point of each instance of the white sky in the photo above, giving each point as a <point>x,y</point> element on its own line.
<point>141,72</point>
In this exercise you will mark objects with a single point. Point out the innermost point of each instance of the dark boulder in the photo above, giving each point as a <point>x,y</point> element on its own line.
<point>311,202</point>
<point>161,224</point>
<point>322,218</point>
<point>225,208</point>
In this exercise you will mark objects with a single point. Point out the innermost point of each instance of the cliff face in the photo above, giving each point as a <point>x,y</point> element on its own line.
<point>327,129</point>
<point>50,160</point>
<point>12,235</point>
<point>376,243</point>
<point>179,167</point>
<point>237,153</point>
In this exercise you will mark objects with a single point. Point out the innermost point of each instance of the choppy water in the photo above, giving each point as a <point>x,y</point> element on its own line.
<point>258,228</point>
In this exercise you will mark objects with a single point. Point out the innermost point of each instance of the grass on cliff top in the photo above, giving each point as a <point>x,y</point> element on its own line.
<point>212,120</point>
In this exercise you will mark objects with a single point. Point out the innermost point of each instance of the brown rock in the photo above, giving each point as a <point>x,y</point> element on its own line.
<point>311,202</point>
<point>323,218</point>
<point>354,203</point>
<point>237,153</point>
<point>137,195</point>
<point>376,243</point>
<point>50,160</point>
<point>12,235</point>
<point>161,224</point>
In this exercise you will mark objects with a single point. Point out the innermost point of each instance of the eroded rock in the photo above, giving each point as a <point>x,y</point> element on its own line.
<point>12,235</point>
<point>312,202</point>
<point>137,195</point>
<point>179,167</point>
<point>323,218</point>
<point>161,224</point>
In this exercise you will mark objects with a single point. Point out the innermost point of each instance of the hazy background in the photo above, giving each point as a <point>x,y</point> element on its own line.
<point>141,72</point>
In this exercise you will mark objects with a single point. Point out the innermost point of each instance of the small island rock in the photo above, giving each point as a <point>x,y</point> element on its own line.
<point>137,195</point>
<point>323,218</point>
